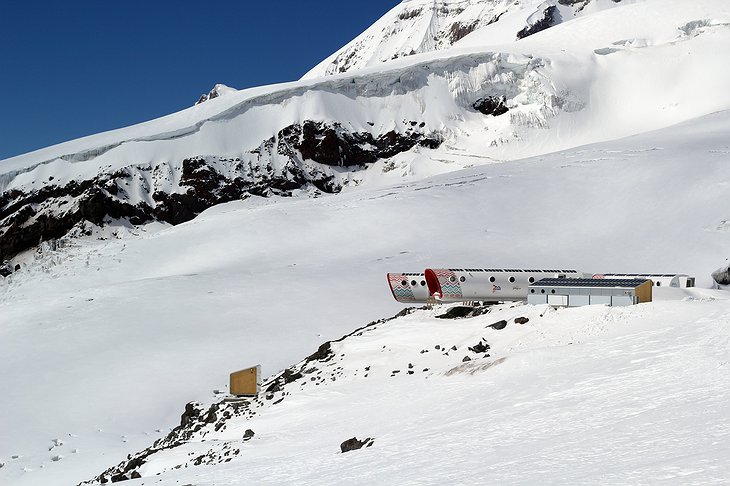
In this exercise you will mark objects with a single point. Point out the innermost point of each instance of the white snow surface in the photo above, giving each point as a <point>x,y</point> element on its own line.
<point>103,342</point>
<point>614,156</point>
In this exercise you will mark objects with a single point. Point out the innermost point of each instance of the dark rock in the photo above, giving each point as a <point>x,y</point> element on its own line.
<point>466,358</point>
<point>521,320</point>
<point>480,347</point>
<point>330,144</point>
<point>289,376</point>
<point>491,105</point>
<point>248,434</point>
<point>190,415</point>
<point>479,311</point>
<point>721,276</point>
<point>499,325</point>
<point>286,377</point>
<point>459,30</point>
<point>551,16</point>
<point>457,312</point>
<point>6,269</point>
<point>211,416</point>
<point>323,353</point>
<point>355,444</point>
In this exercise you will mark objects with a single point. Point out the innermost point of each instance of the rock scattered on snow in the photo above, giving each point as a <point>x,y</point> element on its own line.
<point>499,325</point>
<point>480,347</point>
<point>521,320</point>
<point>354,444</point>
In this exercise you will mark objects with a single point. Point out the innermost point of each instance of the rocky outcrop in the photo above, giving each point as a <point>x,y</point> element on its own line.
<point>550,17</point>
<point>491,105</point>
<point>297,157</point>
<point>721,276</point>
<point>579,3</point>
<point>218,90</point>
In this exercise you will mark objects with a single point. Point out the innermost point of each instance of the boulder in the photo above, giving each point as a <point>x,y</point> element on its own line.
<point>457,312</point>
<point>354,444</point>
<point>499,325</point>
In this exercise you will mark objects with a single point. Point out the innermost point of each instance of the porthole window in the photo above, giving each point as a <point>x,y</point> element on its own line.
<point>404,283</point>
<point>552,291</point>
<point>532,291</point>
<point>463,279</point>
<point>542,291</point>
<point>532,279</point>
<point>414,283</point>
<point>658,284</point>
<point>423,283</point>
<point>492,279</point>
<point>512,280</point>
<point>452,279</point>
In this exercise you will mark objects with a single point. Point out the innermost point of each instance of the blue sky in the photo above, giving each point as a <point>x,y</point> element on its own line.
<point>79,67</point>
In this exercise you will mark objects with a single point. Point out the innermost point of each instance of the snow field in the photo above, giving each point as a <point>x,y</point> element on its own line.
<point>593,395</point>
<point>174,311</point>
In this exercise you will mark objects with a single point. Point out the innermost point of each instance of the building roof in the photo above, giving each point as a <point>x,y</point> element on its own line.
<point>645,274</point>
<point>507,270</point>
<point>590,282</point>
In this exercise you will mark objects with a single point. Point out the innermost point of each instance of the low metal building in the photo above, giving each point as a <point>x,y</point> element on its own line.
<point>562,292</point>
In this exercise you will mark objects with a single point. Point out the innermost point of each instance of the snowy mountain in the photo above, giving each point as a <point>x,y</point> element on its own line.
<point>401,120</point>
<point>258,225</point>
<point>420,26</point>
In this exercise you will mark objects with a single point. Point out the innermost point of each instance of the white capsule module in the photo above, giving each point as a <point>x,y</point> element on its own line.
<point>408,288</point>
<point>486,284</point>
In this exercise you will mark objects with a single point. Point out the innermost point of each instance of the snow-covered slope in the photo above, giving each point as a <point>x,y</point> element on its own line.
<point>105,337</point>
<point>422,26</point>
<point>581,81</point>
<point>103,342</point>
<point>575,396</point>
